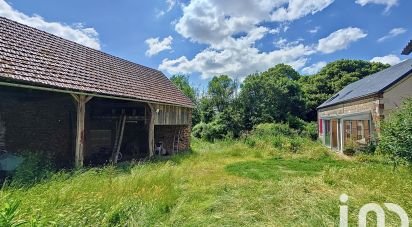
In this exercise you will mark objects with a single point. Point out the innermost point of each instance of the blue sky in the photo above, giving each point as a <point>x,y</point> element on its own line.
<point>203,38</point>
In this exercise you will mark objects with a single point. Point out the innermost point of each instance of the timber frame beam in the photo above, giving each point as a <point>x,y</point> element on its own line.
<point>81,101</point>
<point>151,129</point>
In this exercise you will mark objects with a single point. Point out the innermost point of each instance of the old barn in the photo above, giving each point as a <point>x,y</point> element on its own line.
<point>82,105</point>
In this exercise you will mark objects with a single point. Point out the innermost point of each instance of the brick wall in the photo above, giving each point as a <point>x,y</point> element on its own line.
<point>39,121</point>
<point>166,133</point>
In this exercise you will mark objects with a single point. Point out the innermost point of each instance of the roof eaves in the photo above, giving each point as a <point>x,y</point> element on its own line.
<point>34,86</point>
<point>373,94</point>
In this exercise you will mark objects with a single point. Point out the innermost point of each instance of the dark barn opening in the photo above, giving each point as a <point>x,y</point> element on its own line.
<point>106,131</point>
<point>38,121</point>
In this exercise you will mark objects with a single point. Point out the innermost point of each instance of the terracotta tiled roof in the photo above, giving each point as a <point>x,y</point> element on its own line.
<point>31,56</point>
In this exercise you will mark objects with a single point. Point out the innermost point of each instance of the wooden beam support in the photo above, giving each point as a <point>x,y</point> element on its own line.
<point>118,144</point>
<point>151,130</point>
<point>81,101</point>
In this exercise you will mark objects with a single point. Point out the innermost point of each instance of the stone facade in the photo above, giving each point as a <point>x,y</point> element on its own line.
<point>372,105</point>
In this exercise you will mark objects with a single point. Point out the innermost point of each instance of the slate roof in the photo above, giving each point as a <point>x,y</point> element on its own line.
<point>30,56</point>
<point>372,84</point>
<point>408,49</point>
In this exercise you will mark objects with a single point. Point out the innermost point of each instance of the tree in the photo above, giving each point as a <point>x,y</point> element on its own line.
<point>331,79</point>
<point>285,71</point>
<point>270,96</point>
<point>221,90</point>
<point>182,82</point>
<point>206,110</point>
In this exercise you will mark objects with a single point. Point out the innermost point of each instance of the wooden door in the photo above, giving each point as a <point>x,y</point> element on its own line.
<point>334,135</point>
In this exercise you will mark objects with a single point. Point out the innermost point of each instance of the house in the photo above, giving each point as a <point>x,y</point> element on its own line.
<point>354,113</point>
<point>408,49</point>
<point>80,104</point>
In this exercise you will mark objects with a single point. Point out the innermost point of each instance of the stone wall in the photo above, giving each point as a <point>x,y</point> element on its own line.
<point>38,121</point>
<point>373,105</point>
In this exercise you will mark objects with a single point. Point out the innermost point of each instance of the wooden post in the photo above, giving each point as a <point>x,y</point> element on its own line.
<point>151,129</point>
<point>81,101</point>
<point>119,138</point>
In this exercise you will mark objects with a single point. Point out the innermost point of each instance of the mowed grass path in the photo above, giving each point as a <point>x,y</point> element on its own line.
<point>220,184</point>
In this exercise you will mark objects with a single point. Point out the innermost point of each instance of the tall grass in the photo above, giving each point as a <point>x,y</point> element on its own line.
<point>223,183</point>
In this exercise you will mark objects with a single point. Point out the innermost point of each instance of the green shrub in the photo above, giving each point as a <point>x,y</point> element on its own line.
<point>273,129</point>
<point>250,141</point>
<point>396,134</point>
<point>277,142</point>
<point>296,123</point>
<point>210,131</point>
<point>310,130</point>
<point>198,129</point>
<point>35,167</point>
<point>214,131</point>
<point>351,147</point>
<point>295,144</point>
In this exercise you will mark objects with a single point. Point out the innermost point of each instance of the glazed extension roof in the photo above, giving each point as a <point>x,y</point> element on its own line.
<point>372,84</point>
<point>33,57</point>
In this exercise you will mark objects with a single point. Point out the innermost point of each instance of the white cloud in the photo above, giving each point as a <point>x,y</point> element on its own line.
<point>392,33</point>
<point>239,57</point>
<point>237,62</point>
<point>388,3</point>
<point>210,21</point>
<point>314,30</point>
<point>299,8</point>
<point>313,69</point>
<point>218,24</point>
<point>170,4</point>
<point>390,59</point>
<point>160,13</point>
<point>340,39</point>
<point>77,33</point>
<point>156,46</point>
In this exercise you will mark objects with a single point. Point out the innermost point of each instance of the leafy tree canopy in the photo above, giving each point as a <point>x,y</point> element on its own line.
<point>221,91</point>
<point>182,82</point>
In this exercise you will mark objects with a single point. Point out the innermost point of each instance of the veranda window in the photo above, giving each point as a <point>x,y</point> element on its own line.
<point>357,131</point>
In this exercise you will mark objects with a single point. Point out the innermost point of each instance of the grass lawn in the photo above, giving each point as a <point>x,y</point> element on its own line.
<point>224,183</point>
